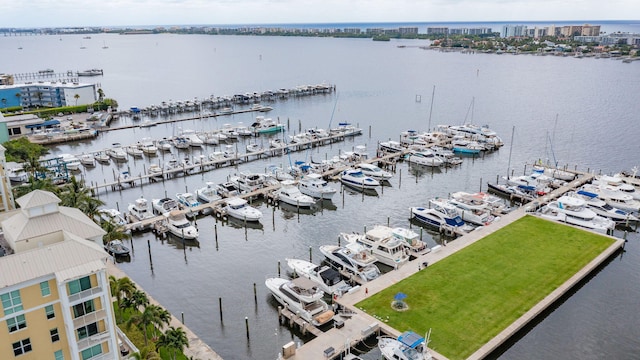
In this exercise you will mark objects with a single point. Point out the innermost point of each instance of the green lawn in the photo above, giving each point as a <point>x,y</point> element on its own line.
<point>471,296</point>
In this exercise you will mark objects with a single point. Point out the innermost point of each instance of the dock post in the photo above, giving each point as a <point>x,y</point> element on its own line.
<point>255,293</point>
<point>480,184</point>
<point>246,323</point>
<point>400,179</point>
<point>310,251</point>
<point>421,234</point>
<point>220,307</point>
<point>182,317</point>
<point>215,231</point>
<point>279,268</point>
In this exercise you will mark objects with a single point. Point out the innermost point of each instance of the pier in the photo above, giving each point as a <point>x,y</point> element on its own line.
<point>332,343</point>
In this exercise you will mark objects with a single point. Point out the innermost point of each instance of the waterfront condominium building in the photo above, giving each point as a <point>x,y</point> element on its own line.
<point>54,289</point>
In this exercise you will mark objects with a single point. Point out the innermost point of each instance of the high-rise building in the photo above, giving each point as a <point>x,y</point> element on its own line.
<point>54,289</point>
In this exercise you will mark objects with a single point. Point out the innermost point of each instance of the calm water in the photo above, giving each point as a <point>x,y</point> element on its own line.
<point>588,108</point>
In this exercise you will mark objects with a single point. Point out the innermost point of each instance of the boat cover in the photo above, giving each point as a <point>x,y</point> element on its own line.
<point>411,339</point>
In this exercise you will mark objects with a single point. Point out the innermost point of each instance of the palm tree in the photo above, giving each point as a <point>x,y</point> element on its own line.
<point>146,353</point>
<point>136,299</point>
<point>76,96</point>
<point>34,184</point>
<point>114,231</point>
<point>152,315</point>
<point>119,287</point>
<point>100,94</point>
<point>173,339</point>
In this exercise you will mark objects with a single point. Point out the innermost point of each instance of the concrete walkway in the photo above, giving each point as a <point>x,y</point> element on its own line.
<point>197,348</point>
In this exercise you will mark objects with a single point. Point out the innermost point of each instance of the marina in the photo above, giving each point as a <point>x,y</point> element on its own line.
<point>167,266</point>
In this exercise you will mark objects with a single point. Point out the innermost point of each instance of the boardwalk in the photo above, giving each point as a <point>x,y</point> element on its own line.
<point>361,322</point>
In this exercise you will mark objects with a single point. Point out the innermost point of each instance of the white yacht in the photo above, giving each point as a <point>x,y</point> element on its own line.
<point>614,197</point>
<point>248,182</point>
<point>440,213</point>
<point>155,171</point>
<point>327,278</point>
<point>164,206</point>
<point>494,204</point>
<point>227,189</point>
<point>425,158</point>
<point>315,186</point>
<point>411,239</point>
<point>208,193</point>
<point>117,153</point>
<point>148,147</point>
<point>601,208</point>
<point>139,210</point>
<point>354,258</point>
<point>391,146</point>
<point>290,194</point>
<point>88,159</point>
<point>240,209</point>
<point>70,161</point>
<point>112,215</point>
<point>408,346</point>
<point>374,171</point>
<point>574,211</point>
<point>302,296</point>
<point>102,157</point>
<point>16,172</point>
<point>180,226</point>
<point>356,179</point>
<point>191,138</point>
<point>616,183</point>
<point>473,213</point>
<point>134,151</point>
<point>125,178</point>
<point>380,241</point>
<point>188,200</point>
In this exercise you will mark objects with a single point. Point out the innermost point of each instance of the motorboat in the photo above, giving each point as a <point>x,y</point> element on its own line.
<point>448,157</point>
<point>117,153</point>
<point>102,157</point>
<point>188,200</point>
<point>412,137</point>
<point>164,144</point>
<point>464,146</point>
<point>125,178</point>
<point>134,151</point>
<point>290,194</point>
<point>112,215</point>
<point>248,182</point>
<point>345,129</point>
<point>155,171</point>
<point>88,160</point>
<point>355,178</point>
<point>303,297</point>
<point>513,192</point>
<point>116,248</point>
<point>227,189</point>
<point>353,258</point>
<point>277,144</point>
<point>408,346</point>
<point>208,193</point>
<point>425,157</point>
<point>242,130</point>
<point>574,211</point>
<point>380,241</point>
<point>411,239</point>
<point>440,213</point>
<point>164,206</point>
<point>252,147</point>
<point>391,146</point>
<point>374,171</point>
<point>180,142</point>
<point>180,226</point>
<point>600,207</point>
<point>327,278</point>
<point>473,213</point>
<point>16,172</point>
<point>70,161</point>
<point>614,197</point>
<point>230,152</point>
<point>240,209</point>
<point>495,205</point>
<point>148,147</point>
<point>279,173</point>
<point>616,183</point>
<point>630,177</point>
<point>315,186</point>
<point>139,210</point>
<point>264,125</point>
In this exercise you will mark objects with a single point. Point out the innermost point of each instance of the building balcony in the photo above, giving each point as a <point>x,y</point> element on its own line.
<point>85,294</point>
<point>89,318</point>
<point>94,340</point>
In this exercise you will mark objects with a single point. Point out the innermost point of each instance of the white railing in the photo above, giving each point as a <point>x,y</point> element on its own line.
<point>93,340</point>
<point>85,294</point>
<point>89,318</point>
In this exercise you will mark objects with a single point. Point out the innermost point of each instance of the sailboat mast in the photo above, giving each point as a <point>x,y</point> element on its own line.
<point>513,130</point>
<point>433,94</point>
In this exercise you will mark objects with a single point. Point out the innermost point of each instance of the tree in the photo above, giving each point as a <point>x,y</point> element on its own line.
<point>136,299</point>
<point>152,315</point>
<point>119,287</point>
<point>76,96</point>
<point>146,353</point>
<point>22,150</point>
<point>100,94</point>
<point>34,184</point>
<point>174,339</point>
<point>114,231</point>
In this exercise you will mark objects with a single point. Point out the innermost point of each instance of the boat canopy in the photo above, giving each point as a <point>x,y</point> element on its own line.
<point>47,123</point>
<point>411,339</point>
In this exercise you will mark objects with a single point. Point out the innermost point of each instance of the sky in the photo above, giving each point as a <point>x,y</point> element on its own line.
<point>73,13</point>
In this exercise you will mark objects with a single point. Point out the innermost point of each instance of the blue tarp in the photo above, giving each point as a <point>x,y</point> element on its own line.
<point>44,124</point>
<point>410,339</point>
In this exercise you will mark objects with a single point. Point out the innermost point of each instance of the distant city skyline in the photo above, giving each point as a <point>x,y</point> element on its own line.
<point>76,13</point>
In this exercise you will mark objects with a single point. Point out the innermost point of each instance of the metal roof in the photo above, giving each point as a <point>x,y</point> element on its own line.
<point>37,198</point>
<point>65,260</point>
<point>69,219</point>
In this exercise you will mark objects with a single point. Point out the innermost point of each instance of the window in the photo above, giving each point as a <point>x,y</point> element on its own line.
<point>83,308</point>
<point>16,323</point>
<point>58,355</point>
<point>21,347</point>
<point>78,285</point>
<point>49,311</point>
<point>54,335</point>
<point>87,331</point>
<point>11,302</point>
<point>44,288</point>
<point>91,352</point>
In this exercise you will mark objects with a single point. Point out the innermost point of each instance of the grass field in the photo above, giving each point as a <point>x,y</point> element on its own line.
<point>474,294</point>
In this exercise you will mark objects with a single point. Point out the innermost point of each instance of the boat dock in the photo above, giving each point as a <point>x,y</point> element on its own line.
<point>331,344</point>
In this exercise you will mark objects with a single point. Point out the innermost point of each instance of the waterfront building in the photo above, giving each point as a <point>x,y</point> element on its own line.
<point>5,183</point>
<point>408,30</point>
<point>437,30</point>
<point>6,79</point>
<point>54,288</point>
<point>514,31</point>
<point>47,94</point>
<point>19,125</point>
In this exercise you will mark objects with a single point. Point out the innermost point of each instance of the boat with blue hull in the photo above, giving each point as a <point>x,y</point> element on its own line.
<point>440,213</point>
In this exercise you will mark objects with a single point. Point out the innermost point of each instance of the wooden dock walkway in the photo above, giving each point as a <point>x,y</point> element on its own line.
<point>357,325</point>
